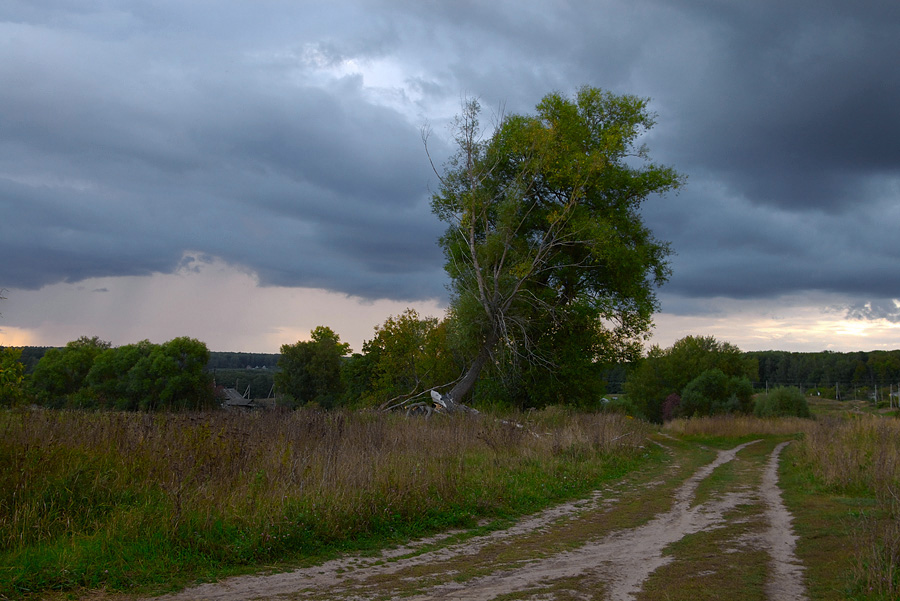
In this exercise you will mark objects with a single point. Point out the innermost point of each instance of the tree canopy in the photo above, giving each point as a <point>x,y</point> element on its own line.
<point>546,249</point>
<point>89,372</point>
<point>717,366</point>
<point>12,374</point>
<point>409,355</point>
<point>310,371</point>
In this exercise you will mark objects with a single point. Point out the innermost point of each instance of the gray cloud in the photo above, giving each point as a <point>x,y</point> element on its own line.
<point>285,138</point>
<point>888,309</point>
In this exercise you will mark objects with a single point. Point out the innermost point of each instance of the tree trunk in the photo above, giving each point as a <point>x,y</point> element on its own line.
<point>452,400</point>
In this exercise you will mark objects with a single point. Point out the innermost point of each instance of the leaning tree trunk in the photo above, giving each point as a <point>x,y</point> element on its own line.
<point>452,401</point>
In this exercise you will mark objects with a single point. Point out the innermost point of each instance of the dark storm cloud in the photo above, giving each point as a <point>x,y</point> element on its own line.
<point>794,103</point>
<point>284,138</point>
<point>113,162</point>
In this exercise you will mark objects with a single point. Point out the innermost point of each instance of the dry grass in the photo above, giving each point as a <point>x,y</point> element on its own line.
<point>861,453</point>
<point>163,494</point>
<point>738,426</point>
<point>861,456</point>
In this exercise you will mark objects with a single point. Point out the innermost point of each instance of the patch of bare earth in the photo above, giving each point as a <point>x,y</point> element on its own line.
<point>786,576</point>
<point>604,547</point>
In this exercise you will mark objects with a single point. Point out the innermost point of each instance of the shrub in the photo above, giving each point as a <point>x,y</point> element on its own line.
<point>712,392</point>
<point>620,404</point>
<point>782,402</point>
<point>670,407</point>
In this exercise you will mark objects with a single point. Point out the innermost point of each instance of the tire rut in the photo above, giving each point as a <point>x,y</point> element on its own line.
<point>616,563</point>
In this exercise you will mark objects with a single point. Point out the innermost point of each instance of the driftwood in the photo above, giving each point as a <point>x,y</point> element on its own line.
<point>439,403</point>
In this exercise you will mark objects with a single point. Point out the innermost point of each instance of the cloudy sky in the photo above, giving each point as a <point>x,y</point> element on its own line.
<point>242,172</point>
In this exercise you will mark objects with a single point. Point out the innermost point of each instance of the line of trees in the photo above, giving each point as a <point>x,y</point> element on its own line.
<point>700,376</point>
<point>90,373</point>
<point>232,360</point>
<point>409,355</point>
<point>827,369</point>
<point>552,277</point>
<point>553,273</point>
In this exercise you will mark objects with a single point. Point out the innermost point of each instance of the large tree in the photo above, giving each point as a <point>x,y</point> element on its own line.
<point>545,232</point>
<point>62,371</point>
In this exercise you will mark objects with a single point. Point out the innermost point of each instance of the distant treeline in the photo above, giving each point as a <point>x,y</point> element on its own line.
<point>222,360</point>
<point>217,360</point>
<point>827,369</point>
<point>819,370</point>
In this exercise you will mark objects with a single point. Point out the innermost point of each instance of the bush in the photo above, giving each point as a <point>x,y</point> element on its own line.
<point>782,402</point>
<point>621,405</point>
<point>712,393</point>
<point>671,406</point>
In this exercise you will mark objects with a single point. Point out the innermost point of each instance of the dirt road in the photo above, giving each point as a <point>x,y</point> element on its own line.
<point>709,525</point>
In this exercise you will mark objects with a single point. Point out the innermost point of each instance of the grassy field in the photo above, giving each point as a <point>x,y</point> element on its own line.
<point>841,481</point>
<point>150,502</point>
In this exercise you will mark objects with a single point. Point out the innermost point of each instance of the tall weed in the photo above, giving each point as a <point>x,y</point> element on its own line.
<point>121,500</point>
<point>861,456</point>
<point>737,426</point>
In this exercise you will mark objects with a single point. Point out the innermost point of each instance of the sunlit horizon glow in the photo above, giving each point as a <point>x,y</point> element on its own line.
<point>791,323</point>
<point>216,303</point>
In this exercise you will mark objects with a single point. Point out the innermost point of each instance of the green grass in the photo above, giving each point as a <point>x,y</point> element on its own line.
<point>136,502</point>
<point>842,482</point>
<point>150,503</point>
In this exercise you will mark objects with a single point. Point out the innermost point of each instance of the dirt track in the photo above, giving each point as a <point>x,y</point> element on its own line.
<point>644,539</point>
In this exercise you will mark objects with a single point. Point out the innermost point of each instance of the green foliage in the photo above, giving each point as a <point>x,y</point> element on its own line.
<point>667,371</point>
<point>841,376</point>
<point>782,402</point>
<point>116,501</point>
<point>178,377</point>
<point>713,393</point>
<point>61,373</point>
<point>310,371</point>
<point>546,249</point>
<point>116,378</point>
<point>12,376</point>
<point>409,355</point>
<point>573,350</point>
<point>88,373</point>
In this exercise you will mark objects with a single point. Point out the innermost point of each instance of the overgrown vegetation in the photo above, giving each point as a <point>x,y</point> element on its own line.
<point>859,458</point>
<point>842,480</point>
<point>782,402</point>
<point>310,371</point>
<point>126,500</point>
<point>12,374</point>
<point>705,376</point>
<point>90,373</point>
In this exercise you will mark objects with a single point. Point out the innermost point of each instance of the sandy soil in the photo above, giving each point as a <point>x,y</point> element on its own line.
<point>621,560</point>
<point>786,581</point>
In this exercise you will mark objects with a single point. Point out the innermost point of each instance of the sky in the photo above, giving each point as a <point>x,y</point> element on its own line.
<point>242,172</point>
